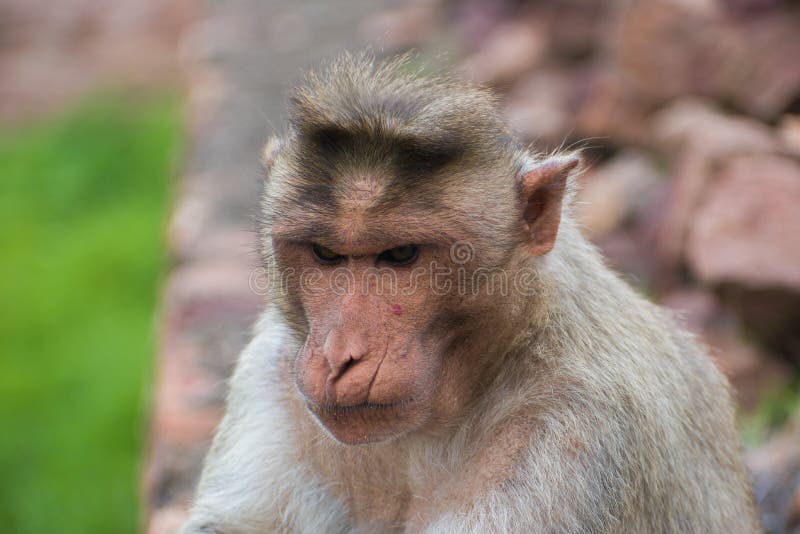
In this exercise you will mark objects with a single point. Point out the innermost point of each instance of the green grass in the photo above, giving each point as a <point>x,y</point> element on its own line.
<point>774,410</point>
<point>82,210</point>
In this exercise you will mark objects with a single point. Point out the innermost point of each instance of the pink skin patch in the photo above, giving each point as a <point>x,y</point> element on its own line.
<point>397,309</point>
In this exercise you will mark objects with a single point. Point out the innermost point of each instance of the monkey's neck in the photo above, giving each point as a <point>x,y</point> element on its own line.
<point>572,304</point>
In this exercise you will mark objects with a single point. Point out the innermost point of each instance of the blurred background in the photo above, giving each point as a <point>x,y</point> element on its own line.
<point>129,146</point>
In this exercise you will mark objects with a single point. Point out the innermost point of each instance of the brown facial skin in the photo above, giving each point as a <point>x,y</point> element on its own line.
<point>387,348</point>
<point>367,370</point>
<point>389,345</point>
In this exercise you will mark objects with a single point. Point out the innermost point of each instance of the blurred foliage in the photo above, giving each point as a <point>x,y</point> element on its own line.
<point>82,205</point>
<point>774,410</point>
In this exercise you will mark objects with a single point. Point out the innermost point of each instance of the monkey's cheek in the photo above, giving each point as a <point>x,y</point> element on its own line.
<point>310,376</point>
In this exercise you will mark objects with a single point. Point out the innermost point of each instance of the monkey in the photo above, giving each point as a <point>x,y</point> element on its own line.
<point>443,351</point>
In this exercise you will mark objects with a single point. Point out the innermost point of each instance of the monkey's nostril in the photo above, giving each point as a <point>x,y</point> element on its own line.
<point>338,368</point>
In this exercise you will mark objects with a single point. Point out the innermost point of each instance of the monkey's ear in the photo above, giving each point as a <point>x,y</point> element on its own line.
<point>542,188</point>
<point>270,152</point>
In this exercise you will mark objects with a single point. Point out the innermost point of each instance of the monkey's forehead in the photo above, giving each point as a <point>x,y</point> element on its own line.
<point>379,189</point>
<point>377,171</point>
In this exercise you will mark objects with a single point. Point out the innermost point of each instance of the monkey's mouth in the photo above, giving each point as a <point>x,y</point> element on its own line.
<point>363,407</point>
<point>367,422</point>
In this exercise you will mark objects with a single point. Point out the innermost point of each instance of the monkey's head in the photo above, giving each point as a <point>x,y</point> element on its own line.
<point>398,212</point>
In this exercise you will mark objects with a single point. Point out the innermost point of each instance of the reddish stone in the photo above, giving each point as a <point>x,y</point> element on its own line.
<point>606,106</point>
<point>54,55</point>
<point>702,137</point>
<point>745,231</point>
<point>403,27</point>
<point>510,50</point>
<point>695,124</point>
<point>615,191</point>
<point>668,48</point>
<point>538,107</point>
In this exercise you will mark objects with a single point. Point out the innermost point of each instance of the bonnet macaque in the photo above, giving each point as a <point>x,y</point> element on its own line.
<point>442,351</point>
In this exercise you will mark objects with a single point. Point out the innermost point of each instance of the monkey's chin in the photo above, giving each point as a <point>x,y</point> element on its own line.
<point>368,422</point>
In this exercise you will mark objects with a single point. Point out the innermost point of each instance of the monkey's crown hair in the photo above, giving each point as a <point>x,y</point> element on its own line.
<point>360,95</point>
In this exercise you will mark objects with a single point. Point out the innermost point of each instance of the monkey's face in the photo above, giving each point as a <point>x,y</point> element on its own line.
<point>372,356</point>
<point>379,263</point>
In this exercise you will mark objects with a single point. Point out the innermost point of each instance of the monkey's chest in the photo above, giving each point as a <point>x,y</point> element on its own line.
<point>379,510</point>
<point>392,505</point>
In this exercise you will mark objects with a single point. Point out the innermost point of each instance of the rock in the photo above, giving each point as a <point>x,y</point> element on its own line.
<point>740,237</point>
<point>745,7</point>
<point>581,26</point>
<point>406,26</point>
<point>615,192</point>
<point>608,107</point>
<point>476,19</point>
<point>701,137</point>
<point>51,56</point>
<point>667,48</point>
<point>538,107</point>
<point>760,71</point>
<point>511,49</point>
<point>619,206</point>
<point>696,124</point>
<point>745,230</point>
<point>654,38</point>
<point>193,233</point>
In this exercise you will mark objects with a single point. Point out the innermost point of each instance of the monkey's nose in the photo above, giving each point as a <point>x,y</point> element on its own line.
<point>341,360</point>
<point>343,348</point>
<point>349,378</point>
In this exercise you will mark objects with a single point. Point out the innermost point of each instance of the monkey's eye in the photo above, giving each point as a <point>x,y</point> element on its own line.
<point>325,255</point>
<point>402,255</point>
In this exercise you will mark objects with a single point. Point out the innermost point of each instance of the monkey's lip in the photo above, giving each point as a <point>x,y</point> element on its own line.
<point>366,406</point>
